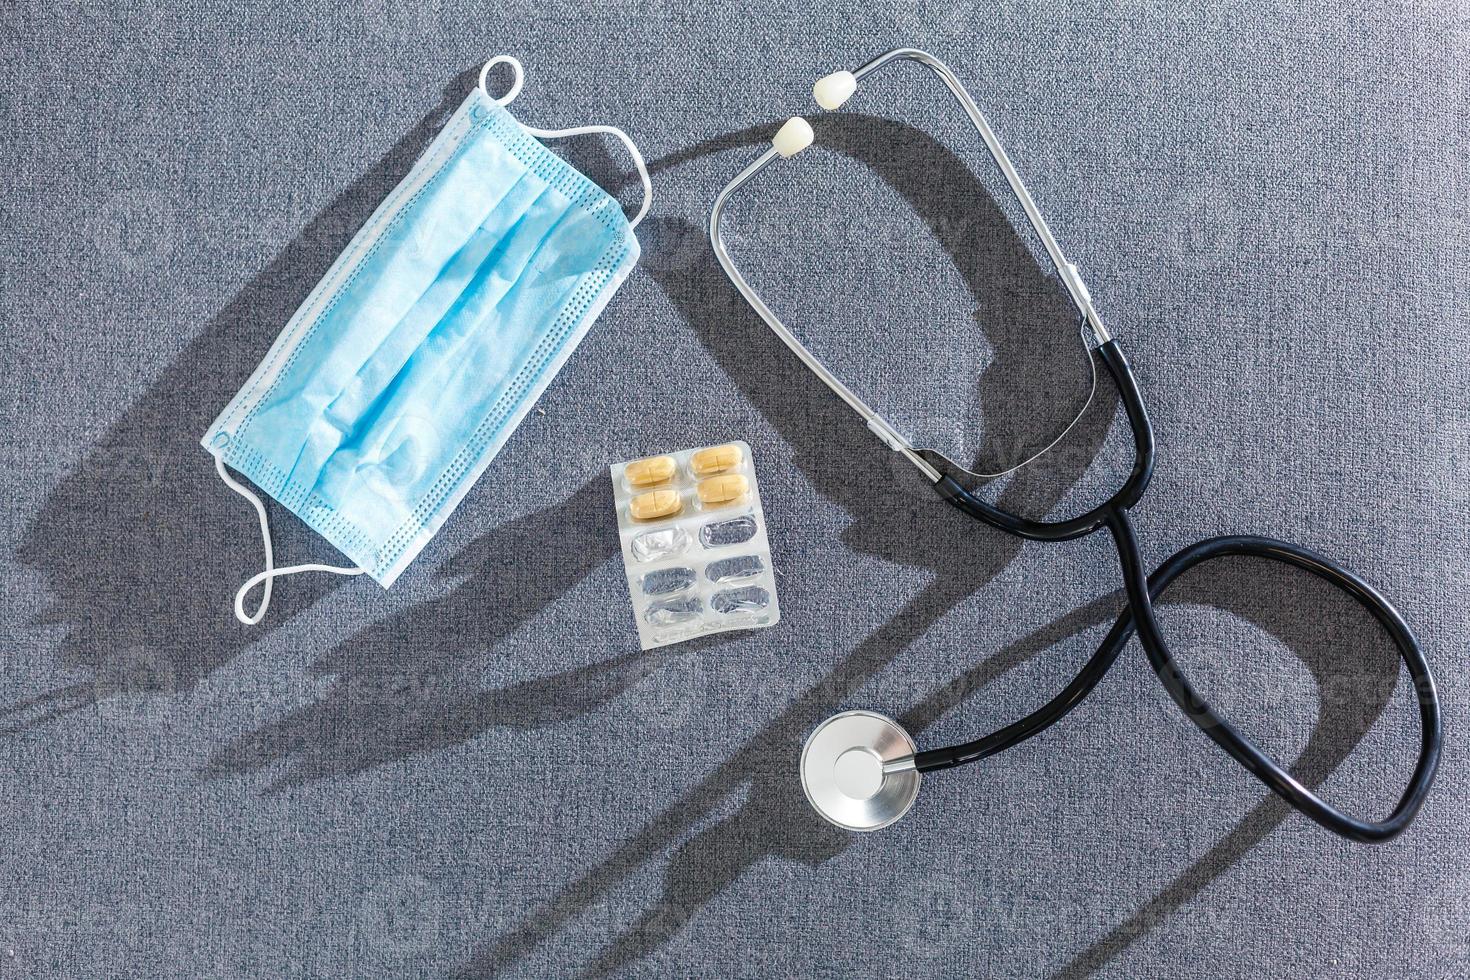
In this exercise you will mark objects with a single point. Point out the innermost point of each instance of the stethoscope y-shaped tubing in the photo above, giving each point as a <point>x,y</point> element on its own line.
<point>1139,618</point>
<point>1140,588</point>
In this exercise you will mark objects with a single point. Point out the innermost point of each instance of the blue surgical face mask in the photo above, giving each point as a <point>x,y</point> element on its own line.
<point>407,368</point>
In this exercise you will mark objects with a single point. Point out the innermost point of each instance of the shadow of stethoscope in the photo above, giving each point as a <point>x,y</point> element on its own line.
<point>133,477</point>
<point>774,819</point>
<point>387,697</point>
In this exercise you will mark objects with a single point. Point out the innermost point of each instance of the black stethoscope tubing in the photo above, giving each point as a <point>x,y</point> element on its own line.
<point>1139,619</point>
<point>1141,588</point>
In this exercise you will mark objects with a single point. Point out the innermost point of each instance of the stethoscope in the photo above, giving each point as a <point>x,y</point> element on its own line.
<point>861,770</point>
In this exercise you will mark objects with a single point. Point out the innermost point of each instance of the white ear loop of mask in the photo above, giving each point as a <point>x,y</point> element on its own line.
<point>271,572</point>
<point>515,89</point>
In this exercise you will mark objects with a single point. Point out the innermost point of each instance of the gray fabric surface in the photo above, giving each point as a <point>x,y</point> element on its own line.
<point>477,772</point>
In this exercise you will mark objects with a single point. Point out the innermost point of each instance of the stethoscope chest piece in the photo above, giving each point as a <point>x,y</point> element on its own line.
<point>857,770</point>
<point>860,770</point>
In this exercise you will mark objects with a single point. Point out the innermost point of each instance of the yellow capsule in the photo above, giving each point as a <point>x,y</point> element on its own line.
<point>649,472</point>
<point>716,459</point>
<point>655,504</point>
<point>717,491</point>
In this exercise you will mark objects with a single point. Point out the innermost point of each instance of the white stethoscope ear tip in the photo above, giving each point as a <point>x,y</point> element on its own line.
<point>793,137</point>
<point>835,89</point>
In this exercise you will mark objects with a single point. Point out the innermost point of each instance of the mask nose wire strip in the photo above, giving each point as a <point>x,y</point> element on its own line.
<point>270,573</point>
<point>515,89</point>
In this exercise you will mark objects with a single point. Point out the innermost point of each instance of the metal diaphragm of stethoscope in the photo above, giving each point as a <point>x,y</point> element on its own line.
<point>860,769</point>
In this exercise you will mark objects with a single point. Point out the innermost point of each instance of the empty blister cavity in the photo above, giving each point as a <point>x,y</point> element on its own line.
<point>666,580</point>
<point>719,534</point>
<point>668,542</point>
<point>694,547</point>
<point>674,612</point>
<point>734,569</point>
<point>750,599</point>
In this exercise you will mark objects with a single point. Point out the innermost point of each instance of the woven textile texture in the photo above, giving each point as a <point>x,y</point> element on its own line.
<point>477,773</point>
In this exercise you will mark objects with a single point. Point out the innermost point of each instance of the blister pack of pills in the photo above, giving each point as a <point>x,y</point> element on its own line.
<point>694,544</point>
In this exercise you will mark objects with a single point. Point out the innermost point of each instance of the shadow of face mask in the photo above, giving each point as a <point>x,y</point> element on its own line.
<point>399,379</point>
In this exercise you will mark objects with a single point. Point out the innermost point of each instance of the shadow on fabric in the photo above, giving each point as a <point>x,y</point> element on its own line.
<point>399,687</point>
<point>406,685</point>
<point>137,618</point>
<point>891,518</point>
<point>1250,589</point>
<point>835,454</point>
<point>143,599</point>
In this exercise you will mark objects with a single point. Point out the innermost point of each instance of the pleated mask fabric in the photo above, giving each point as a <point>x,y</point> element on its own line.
<point>400,378</point>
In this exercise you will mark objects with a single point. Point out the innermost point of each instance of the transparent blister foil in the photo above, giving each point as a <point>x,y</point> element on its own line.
<point>694,543</point>
<point>733,569</point>
<point>736,530</point>
<point>662,581</point>
<point>658,543</point>
<point>674,612</point>
<point>743,601</point>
